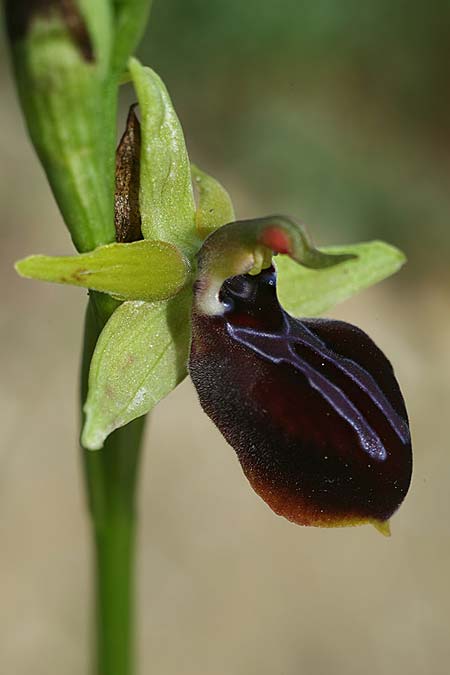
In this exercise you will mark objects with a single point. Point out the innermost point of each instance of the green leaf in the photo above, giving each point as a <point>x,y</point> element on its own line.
<point>166,197</point>
<point>308,292</point>
<point>61,55</point>
<point>142,270</point>
<point>215,207</point>
<point>140,356</point>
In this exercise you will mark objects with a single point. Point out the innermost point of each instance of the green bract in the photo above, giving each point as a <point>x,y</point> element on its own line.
<point>68,58</point>
<point>63,89</point>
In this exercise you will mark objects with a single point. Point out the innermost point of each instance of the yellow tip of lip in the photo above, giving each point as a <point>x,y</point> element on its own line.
<point>382,526</point>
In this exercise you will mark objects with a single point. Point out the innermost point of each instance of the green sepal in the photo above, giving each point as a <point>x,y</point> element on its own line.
<point>140,356</point>
<point>214,207</point>
<point>308,292</point>
<point>142,270</point>
<point>61,55</point>
<point>166,197</point>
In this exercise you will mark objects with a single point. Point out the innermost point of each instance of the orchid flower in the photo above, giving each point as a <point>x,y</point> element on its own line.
<point>310,405</point>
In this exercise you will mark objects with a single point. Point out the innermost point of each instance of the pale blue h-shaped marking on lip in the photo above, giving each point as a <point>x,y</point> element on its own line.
<point>278,347</point>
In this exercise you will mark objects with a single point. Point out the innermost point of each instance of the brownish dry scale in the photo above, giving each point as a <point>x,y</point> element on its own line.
<point>312,407</point>
<point>127,216</point>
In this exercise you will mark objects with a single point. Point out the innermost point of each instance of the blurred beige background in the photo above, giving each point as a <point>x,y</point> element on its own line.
<point>226,587</point>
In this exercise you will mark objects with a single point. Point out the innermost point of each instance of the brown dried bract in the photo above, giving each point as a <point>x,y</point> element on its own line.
<point>21,13</point>
<point>127,215</point>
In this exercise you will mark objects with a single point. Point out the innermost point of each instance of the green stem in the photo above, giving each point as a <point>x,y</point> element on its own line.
<point>111,477</point>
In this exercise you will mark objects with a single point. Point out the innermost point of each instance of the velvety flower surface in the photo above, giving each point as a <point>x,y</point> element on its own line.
<point>312,407</point>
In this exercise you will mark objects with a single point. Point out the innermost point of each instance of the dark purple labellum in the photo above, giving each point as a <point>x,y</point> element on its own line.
<point>311,406</point>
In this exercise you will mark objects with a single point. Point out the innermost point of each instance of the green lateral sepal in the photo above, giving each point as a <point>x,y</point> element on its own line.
<point>140,356</point>
<point>141,270</point>
<point>309,292</point>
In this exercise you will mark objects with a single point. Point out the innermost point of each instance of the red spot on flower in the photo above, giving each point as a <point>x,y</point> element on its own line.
<point>277,240</point>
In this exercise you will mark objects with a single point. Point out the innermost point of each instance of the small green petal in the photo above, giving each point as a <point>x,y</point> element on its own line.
<point>215,207</point>
<point>142,270</point>
<point>140,356</point>
<point>309,292</point>
<point>166,196</point>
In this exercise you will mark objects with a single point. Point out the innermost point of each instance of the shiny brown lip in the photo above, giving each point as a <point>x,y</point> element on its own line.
<point>311,407</point>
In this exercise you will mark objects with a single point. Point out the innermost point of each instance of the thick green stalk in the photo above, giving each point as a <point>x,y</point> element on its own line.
<point>111,476</point>
<point>68,59</point>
